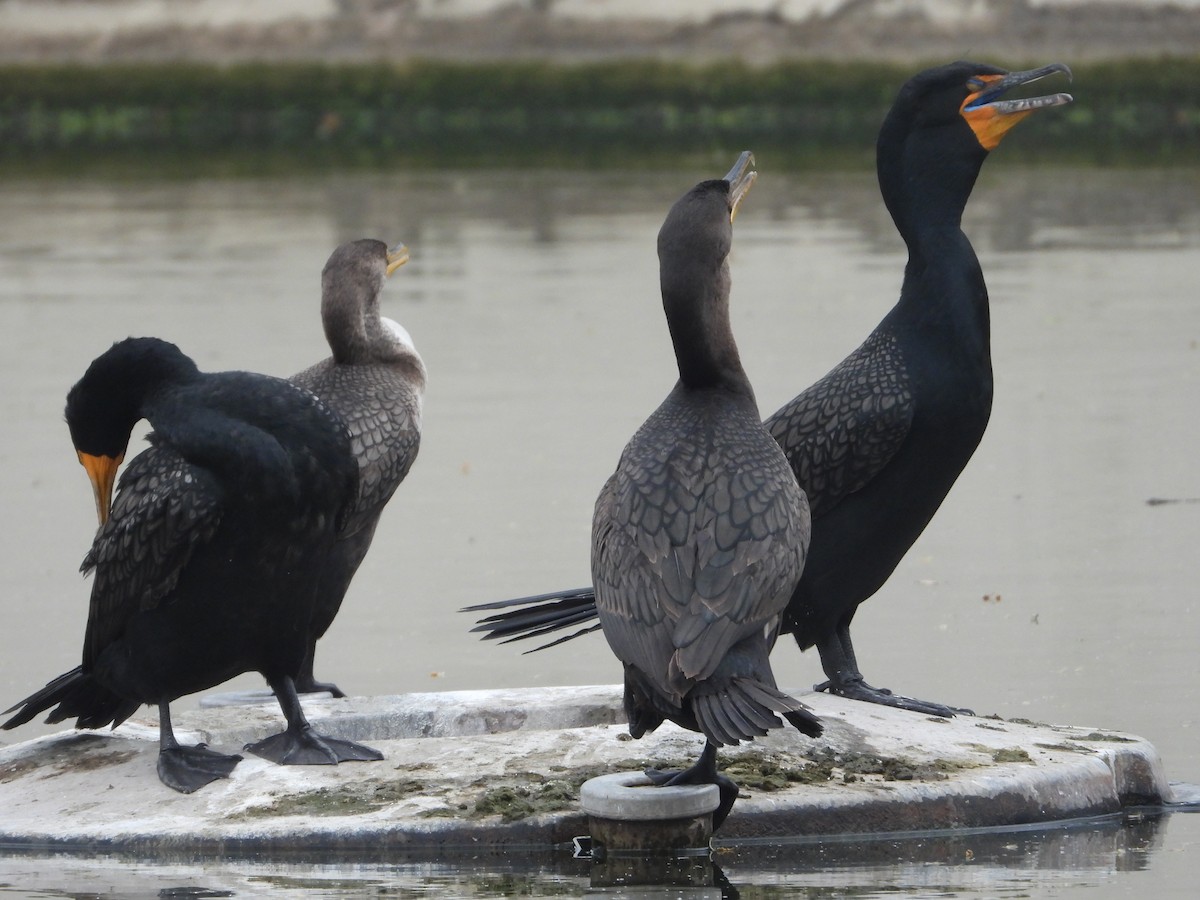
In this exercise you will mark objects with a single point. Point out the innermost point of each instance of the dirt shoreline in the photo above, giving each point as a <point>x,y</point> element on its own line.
<point>224,31</point>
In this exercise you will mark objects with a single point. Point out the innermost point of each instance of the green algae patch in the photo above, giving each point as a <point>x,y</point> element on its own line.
<point>442,812</point>
<point>75,753</point>
<point>760,772</point>
<point>53,768</point>
<point>512,803</point>
<point>94,761</point>
<point>1066,747</point>
<point>1017,720</point>
<point>1003,754</point>
<point>1011,754</point>
<point>18,769</point>
<point>1112,738</point>
<point>353,799</point>
<point>757,771</point>
<point>856,767</point>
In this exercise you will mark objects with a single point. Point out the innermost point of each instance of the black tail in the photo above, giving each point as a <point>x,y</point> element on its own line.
<point>745,708</point>
<point>76,695</point>
<point>542,614</point>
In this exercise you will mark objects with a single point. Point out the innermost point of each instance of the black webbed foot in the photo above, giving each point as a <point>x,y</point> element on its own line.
<point>703,772</point>
<point>349,751</point>
<point>729,790</point>
<point>304,747</point>
<point>187,769</point>
<point>298,744</point>
<point>846,680</point>
<point>856,688</point>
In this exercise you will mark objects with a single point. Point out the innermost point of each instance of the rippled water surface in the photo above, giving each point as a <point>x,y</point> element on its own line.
<point>1057,583</point>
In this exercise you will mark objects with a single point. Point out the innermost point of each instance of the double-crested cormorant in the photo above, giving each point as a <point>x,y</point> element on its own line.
<point>878,442</point>
<point>205,567</point>
<point>699,536</point>
<point>374,381</point>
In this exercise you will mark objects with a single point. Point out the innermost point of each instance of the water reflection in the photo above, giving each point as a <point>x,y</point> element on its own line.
<point>981,861</point>
<point>991,863</point>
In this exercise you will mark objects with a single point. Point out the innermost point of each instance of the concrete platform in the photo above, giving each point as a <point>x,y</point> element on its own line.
<point>478,770</point>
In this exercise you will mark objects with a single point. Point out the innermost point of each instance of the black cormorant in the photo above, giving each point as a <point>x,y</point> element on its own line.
<point>374,381</point>
<point>878,442</point>
<point>205,566</point>
<point>699,536</point>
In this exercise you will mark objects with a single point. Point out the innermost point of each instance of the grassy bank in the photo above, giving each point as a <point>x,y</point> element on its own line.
<point>538,114</point>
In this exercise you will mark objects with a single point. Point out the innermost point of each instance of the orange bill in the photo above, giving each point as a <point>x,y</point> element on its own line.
<point>102,472</point>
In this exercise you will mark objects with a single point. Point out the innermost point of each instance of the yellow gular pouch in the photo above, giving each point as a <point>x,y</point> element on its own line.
<point>991,117</point>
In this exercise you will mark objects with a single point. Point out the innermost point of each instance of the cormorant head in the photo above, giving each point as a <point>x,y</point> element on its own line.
<point>696,236</point>
<point>366,260</point>
<point>700,223</point>
<point>940,129</point>
<point>350,286</point>
<point>693,245</point>
<point>970,93</point>
<point>108,401</point>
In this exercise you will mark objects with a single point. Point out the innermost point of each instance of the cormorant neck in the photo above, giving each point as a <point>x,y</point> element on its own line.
<point>696,303</point>
<point>356,333</point>
<point>347,304</point>
<point>926,177</point>
<point>945,297</point>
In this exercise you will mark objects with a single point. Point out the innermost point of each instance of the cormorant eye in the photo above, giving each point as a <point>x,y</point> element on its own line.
<point>975,83</point>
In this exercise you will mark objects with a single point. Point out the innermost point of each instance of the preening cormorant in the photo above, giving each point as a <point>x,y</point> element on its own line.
<point>878,442</point>
<point>699,536</point>
<point>374,382</point>
<point>204,568</point>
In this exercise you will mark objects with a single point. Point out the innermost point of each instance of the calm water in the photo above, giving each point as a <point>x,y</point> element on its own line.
<point>1048,587</point>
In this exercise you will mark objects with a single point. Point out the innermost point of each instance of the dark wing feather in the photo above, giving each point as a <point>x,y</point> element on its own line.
<point>842,431</point>
<point>634,621</point>
<point>698,540</point>
<point>381,406</point>
<point>164,509</point>
<point>266,437</point>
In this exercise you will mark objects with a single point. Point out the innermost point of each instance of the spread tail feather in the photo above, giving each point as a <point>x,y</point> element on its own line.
<point>541,614</point>
<point>745,709</point>
<point>77,695</point>
<point>799,715</point>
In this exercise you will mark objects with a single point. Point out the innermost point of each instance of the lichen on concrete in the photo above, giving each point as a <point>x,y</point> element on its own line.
<point>1066,747</point>
<point>515,802</point>
<point>77,752</point>
<point>1103,736</point>
<point>352,798</point>
<point>1011,754</point>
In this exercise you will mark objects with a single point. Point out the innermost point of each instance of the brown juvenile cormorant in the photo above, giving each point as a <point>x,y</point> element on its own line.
<point>878,442</point>
<point>374,381</point>
<point>699,536</point>
<point>204,567</point>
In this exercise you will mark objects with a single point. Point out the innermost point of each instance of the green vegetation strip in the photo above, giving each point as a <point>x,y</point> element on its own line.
<point>535,113</point>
